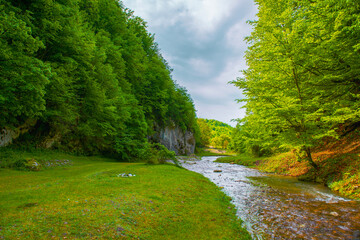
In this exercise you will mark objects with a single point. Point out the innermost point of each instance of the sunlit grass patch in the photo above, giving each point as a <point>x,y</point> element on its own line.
<point>206,152</point>
<point>242,159</point>
<point>91,199</point>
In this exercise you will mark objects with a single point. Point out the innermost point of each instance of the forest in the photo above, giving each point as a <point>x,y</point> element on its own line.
<point>214,133</point>
<point>87,77</point>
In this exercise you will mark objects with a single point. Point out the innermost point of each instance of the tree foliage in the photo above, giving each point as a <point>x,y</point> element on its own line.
<point>90,73</point>
<point>303,78</point>
<point>214,133</point>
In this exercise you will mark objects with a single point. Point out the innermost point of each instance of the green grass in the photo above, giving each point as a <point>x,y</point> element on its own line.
<point>88,200</point>
<point>206,152</point>
<point>242,159</point>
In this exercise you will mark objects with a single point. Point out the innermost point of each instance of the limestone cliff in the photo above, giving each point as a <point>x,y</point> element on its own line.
<point>177,140</point>
<point>172,137</point>
<point>7,135</point>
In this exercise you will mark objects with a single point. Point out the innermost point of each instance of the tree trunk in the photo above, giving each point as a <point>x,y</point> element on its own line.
<point>309,158</point>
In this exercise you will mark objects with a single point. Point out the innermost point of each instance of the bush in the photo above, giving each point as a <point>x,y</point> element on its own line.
<point>158,154</point>
<point>30,164</point>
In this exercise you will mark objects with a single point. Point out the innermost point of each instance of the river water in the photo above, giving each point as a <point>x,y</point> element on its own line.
<point>275,207</point>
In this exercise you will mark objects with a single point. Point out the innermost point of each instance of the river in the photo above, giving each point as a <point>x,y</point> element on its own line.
<point>277,207</point>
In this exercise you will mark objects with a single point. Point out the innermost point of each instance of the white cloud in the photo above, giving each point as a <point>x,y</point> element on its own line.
<point>216,98</point>
<point>201,17</point>
<point>207,15</point>
<point>170,59</point>
<point>222,112</point>
<point>232,69</point>
<point>214,92</point>
<point>235,35</point>
<point>200,66</point>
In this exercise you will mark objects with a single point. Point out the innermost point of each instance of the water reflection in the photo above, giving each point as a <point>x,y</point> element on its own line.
<point>274,207</point>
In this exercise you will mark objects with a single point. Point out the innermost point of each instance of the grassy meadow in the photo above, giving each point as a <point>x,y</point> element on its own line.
<point>88,198</point>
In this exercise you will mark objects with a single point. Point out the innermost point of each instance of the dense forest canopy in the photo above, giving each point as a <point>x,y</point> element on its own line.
<point>303,80</point>
<point>88,74</point>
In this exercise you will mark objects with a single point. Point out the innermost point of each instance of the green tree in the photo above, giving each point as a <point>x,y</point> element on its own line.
<point>23,77</point>
<point>221,141</point>
<point>214,133</point>
<point>205,132</point>
<point>303,75</point>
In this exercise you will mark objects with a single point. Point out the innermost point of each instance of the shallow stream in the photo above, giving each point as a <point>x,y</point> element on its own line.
<point>275,207</point>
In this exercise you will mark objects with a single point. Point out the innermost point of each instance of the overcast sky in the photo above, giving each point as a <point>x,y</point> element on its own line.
<point>203,42</point>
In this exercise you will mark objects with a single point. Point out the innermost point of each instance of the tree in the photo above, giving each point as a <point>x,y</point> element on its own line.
<point>303,77</point>
<point>221,141</point>
<point>205,132</point>
<point>214,133</point>
<point>23,77</point>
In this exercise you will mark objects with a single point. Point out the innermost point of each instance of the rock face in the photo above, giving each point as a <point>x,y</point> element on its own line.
<point>177,140</point>
<point>7,135</point>
<point>50,140</point>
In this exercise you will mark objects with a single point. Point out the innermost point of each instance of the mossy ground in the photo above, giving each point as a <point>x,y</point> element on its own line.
<point>90,200</point>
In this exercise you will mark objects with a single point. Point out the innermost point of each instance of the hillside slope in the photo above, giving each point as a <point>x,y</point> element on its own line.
<point>85,76</point>
<point>338,161</point>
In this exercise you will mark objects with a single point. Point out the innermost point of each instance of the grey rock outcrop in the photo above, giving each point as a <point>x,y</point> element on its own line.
<point>8,135</point>
<point>177,140</point>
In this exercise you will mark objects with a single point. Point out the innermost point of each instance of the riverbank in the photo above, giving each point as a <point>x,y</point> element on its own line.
<point>77,197</point>
<point>278,207</point>
<point>338,161</point>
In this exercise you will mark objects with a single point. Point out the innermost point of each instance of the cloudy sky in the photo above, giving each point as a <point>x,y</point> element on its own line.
<point>203,42</point>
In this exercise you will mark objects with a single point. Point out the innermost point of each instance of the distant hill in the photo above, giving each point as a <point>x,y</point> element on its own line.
<point>214,133</point>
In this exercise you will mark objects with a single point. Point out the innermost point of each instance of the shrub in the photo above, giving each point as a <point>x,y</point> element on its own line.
<point>158,154</point>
